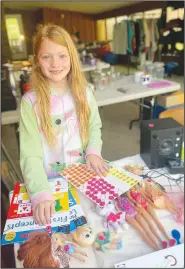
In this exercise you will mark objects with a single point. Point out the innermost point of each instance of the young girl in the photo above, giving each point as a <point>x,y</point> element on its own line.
<point>60,122</point>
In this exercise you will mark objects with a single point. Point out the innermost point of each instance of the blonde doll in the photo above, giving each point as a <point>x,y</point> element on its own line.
<point>60,122</point>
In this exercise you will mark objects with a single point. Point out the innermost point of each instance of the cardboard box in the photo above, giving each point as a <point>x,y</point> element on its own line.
<point>171,99</point>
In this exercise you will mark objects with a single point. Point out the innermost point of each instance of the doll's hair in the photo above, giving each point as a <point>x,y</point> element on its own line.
<point>37,252</point>
<point>76,80</point>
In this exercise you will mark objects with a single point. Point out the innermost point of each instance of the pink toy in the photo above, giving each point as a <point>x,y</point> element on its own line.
<point>112,220</point>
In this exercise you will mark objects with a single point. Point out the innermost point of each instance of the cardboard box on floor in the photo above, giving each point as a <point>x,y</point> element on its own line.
<point>171,99</point>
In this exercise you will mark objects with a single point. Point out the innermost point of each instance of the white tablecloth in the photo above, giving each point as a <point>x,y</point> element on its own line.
<point>133,245</point>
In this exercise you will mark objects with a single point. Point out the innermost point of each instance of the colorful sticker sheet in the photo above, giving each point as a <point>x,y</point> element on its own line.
<point>100,190</point>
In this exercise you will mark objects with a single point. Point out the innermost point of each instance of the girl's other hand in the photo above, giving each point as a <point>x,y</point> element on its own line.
<point>96,164</point>
<point>43,212</point>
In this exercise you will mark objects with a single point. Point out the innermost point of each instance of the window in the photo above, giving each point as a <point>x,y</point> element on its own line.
<point>14,27</point>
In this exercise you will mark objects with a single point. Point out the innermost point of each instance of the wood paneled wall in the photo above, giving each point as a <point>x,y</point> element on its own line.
<point>72,22</point>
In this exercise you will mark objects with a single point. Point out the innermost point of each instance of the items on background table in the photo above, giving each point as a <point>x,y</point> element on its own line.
<point>103,79</point>
<point>42,251</point>
<point>83,236</point>
<point>148,213</point>
<point>137,76</point>
<point>145,79</point>
<point>165,258</point>
<point>155,69</point>
<point>142,77</point>
<point>107,241</point>
<point>20,224</point>
<point>176,235</point>
<point>113,220</point>
<point>159,84</point>
<point>100,79</point>
<point>136,220</point>
<point>87,58</point>
<point>100,190</point>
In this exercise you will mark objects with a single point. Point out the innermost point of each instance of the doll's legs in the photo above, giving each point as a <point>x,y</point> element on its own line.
<point>138,227</point>
<point>147,217</point>
<point>78,257</point>
<point>151,211</point>
<point>81,252</point>
<point>144,225</point>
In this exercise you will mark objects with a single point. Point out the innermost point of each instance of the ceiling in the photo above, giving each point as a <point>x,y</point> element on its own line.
<point>93,7</point>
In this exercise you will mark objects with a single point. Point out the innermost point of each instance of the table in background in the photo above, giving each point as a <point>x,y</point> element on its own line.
<point>111,95</point>
<point>125,89</point>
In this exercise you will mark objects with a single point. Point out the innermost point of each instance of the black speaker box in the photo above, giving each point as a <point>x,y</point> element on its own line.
<point>161,140</point>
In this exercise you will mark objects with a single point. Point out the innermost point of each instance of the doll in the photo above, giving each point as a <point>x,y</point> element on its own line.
<point>83,236</point>
<point>40,251</point>
<point>70,248</point>
<point>148,213</point>
<point>136,220</point>
<point>134,168</point>
<point>107,241</point>
<point>156,196</point>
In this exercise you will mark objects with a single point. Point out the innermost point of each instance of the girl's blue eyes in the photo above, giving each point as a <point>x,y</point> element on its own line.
<point>60,56</point>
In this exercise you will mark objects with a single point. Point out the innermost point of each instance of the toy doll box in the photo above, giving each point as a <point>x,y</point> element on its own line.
<point>165,258</point>
<point>20,221</point>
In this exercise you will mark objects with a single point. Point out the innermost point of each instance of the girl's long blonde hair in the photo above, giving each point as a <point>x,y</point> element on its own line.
<point>76,80</point>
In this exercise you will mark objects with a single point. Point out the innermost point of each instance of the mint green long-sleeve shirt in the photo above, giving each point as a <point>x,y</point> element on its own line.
<point>37,159</point>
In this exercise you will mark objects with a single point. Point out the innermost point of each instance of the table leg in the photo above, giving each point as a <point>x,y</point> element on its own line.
<point>140,113</point>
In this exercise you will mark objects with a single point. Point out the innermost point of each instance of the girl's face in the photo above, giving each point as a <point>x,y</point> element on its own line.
<point>54,61</point>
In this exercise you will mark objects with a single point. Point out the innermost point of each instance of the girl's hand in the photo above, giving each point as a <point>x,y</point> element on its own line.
<point>43,212</point>
<point>96,164</point>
